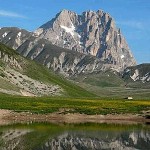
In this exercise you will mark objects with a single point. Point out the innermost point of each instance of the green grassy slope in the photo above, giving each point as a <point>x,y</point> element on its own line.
<point>101,79</point>
<point>118,92</point>
<point>75,98</point>
<point>7,85</point>
<point>109,85</point>
<point>39,72</point>
<point>104,84</point>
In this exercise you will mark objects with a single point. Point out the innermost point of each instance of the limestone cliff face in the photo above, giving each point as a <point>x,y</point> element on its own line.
<point>59,59</point>
<point>73,44</point>
<point>9,60</point>
<point>92,33</point>
<point>138,73</point>
<point>13,37</point>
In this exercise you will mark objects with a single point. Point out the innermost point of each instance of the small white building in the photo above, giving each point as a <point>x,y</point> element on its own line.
<point>130,98</point>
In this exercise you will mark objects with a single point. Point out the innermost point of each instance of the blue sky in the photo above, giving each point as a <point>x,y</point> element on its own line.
<point>132,16</point>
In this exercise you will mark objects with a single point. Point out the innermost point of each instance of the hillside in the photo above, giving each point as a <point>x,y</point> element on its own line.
<point>20,76</point>
<point>58,59</point>
<point>94,56</point>
<point>137,76</point>
<point>72,44</point>
<point>113,85</point>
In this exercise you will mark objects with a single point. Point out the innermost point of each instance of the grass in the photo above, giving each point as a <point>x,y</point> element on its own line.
<point>38,72</point>
<point>101,79</point>
<point>8,50</point>
<point>7,85</point>
<point>110,85</point>
<point>117,92</point>
<point>45,75</point>
<point>85,106</point>
<point>75,98</point>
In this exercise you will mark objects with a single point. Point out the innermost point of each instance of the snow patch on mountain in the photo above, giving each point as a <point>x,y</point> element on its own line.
<point>5,34</point>
<point>122,56</point>
<point>70,30</point>
<point>38,32</point>
<point>97,32</point>
<point>19,34</point>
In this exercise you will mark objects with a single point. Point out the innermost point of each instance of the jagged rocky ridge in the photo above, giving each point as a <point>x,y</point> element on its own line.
<point>85,43</point>
<point>58,59</point>
<point>93,33</point>
<point>138,73</point>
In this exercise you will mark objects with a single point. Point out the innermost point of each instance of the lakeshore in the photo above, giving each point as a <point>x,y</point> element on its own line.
<point>9,117</point>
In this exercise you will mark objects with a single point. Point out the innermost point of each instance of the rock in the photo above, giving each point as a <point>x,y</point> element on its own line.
<point>72,44</point>
<point>93,33</point>
<point>138,73</point>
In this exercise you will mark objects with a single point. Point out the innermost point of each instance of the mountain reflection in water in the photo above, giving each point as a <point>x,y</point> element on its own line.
<point>75,137</point>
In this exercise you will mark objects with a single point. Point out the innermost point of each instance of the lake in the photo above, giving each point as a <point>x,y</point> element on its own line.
<point>88,136</point>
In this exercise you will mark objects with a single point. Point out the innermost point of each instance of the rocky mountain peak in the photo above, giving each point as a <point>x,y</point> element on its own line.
<point>65,18</point>
<point>93,33</point>
<point>72,43</point>
<point>65,12</point>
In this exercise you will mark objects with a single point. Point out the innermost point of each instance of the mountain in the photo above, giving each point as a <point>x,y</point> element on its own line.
<point>53,45</point>
<point>21,76</point>
<point>60,60</point>
<point>72,44</point>
<point>139,72</point>
<point>93,33</point>
<point>137,76</point>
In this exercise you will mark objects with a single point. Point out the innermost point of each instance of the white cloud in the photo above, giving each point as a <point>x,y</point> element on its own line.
<point>11,14</point>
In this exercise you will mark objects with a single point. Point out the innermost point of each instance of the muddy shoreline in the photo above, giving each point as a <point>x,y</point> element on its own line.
<point>9,117</point>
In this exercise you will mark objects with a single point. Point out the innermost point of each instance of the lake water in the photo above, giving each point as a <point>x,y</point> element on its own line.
<point>74,137</point>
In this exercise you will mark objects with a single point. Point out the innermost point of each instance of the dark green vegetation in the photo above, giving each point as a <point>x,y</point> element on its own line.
<point>86,106</point>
